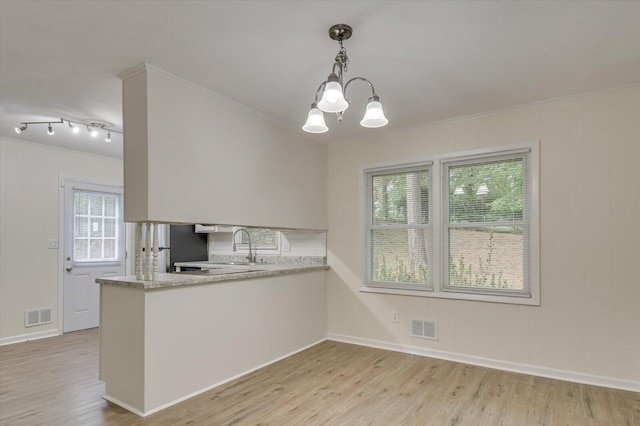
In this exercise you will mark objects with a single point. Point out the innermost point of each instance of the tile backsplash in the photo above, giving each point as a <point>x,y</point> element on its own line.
<point>294,246</point>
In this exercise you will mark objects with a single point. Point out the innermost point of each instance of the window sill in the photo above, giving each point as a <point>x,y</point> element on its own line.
<point>531,301</point>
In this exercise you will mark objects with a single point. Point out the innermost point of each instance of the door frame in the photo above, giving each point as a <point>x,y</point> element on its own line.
<point>61,247</point>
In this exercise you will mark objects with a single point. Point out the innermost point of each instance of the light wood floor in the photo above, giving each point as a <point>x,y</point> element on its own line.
<point>55,382</point>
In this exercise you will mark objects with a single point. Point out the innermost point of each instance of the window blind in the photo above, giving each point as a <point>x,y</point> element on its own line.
<point>399,227</point>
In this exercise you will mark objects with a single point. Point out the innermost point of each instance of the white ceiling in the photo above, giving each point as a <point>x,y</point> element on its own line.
<point>429,60</point>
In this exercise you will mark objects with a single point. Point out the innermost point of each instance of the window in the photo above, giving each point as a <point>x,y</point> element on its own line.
<point>399,229</point>
<point>95,225</point>
<point>485,226</point>
<point>462,226</point>
<point>261,238</point>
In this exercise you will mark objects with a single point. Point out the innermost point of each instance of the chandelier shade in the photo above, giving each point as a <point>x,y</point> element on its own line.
<point>333,98</point>
<point>374,116</point>
<point>315,121</point>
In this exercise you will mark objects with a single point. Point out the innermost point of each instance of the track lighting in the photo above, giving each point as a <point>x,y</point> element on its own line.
<point>93,127</point>
<point>333,97</point>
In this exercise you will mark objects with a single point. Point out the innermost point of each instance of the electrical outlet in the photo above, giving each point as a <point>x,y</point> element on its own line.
<point>52,244</point>
<point>394,316</point>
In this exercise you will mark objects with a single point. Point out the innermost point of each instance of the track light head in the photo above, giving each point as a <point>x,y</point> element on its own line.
<point>50,130</point>
<point>20,129</point>
<point>74,129</point>
<point>108,138</point>
<point>92,131</point>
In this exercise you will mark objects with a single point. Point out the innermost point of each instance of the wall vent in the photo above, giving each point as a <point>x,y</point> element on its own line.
<point>37,317</point>
<point>424,329</point>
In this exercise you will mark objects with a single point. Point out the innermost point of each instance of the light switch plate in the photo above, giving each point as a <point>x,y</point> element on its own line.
<point>52,244</point>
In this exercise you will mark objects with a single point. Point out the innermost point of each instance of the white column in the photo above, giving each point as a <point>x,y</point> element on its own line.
<point>147,250</point>
<point>138,249</point>
<point>155,274</point>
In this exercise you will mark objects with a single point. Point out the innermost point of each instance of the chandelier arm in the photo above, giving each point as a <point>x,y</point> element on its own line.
<point>320,89</point>
<point>373,91</point>
<point>340,71</point>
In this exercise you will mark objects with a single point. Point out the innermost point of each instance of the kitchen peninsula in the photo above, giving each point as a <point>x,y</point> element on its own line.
<point>167,340</point>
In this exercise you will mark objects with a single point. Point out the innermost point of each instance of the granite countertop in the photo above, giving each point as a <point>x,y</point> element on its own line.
<point>209,274</point>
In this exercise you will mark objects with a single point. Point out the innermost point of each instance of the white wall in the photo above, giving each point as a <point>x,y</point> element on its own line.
<point>29,216</point>
<point>210,160</point>
<point>589,319</point>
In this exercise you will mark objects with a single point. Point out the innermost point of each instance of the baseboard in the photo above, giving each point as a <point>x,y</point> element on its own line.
<point>125,406</point>
<point>208,388</point>
<point>29,336</point>
<point>551,373</point>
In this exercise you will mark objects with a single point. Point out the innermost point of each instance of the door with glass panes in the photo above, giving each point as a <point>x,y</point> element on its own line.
<point>94,247</point>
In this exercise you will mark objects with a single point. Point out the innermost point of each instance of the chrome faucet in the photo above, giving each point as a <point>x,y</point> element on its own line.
<point>250,257</point>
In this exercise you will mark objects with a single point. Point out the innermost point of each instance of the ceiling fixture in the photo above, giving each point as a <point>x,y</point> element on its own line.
<point>333,91</point>
<point>93,127</point>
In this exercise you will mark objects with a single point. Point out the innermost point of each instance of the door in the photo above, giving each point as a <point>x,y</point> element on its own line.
<point>94,241</point>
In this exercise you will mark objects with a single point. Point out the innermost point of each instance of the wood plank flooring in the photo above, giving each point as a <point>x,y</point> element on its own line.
<point>55,382</point>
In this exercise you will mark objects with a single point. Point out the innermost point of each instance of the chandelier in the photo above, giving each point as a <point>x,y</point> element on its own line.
<point>334,91</point>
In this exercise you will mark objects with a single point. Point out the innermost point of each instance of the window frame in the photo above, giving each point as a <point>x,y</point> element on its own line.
<point>436,219</point>
<point>381,171</point>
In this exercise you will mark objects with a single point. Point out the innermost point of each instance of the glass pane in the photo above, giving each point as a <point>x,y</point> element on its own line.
<point>81,203</point>
<point>110,206</point>
<point>109,228</point>
<point>96,227</point>
<point>262,238</point>
<point>400,198</point>
<point>486,257</point>
<point>81,226</point>
<point>80,249</point>
<point>109,249</point>
<point>95,251</point>
<point>399,255</point>
<point>96,204</point>
<point>486,192</point>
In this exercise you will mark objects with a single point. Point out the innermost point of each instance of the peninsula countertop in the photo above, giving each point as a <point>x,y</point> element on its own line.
<point>210,273</point>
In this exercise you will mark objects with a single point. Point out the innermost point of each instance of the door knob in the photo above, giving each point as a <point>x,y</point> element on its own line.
<point>69,268</point>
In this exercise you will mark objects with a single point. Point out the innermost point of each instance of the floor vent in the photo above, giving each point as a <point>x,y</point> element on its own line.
<point>424,329</point>
<point>37,317</point>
